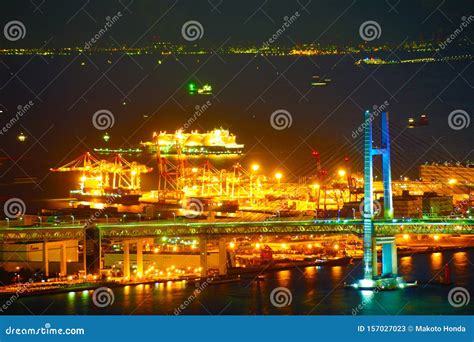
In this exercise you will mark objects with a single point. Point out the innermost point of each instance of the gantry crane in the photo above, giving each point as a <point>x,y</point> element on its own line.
<point>102,176</point>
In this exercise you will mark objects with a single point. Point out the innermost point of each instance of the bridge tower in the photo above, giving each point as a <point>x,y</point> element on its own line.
<point>389,254</point>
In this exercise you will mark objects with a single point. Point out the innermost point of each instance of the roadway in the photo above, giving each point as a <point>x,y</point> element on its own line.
<point>183,228</point>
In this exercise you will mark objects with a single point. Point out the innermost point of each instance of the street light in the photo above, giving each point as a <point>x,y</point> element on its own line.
<point>72,219</point>
<point>255,167</point>
<point>278,177</point>
<point>106,218</point>
<point>342,172</point>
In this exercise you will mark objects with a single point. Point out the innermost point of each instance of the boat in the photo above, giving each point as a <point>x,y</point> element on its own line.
<point>370,61</point>
<point>113,196</point>
<point>318,82</point>
<point>339,261</point>
<point>224,280</point>
<point>421,121</point>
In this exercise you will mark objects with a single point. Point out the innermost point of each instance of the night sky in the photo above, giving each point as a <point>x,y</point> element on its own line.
<point>145,96</point>
<point>145,21</point>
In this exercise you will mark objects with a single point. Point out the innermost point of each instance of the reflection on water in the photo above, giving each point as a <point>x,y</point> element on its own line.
<point>336,273</point>
<point>436,261</point>
<point>315,290</point>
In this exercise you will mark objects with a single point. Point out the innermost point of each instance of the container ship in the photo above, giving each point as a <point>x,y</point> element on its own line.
<point>217,141</point>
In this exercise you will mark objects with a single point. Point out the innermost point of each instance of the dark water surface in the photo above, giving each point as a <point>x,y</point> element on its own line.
<point>315,291</point>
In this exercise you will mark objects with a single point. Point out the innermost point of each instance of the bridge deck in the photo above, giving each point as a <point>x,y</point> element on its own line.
<point>227,228</point>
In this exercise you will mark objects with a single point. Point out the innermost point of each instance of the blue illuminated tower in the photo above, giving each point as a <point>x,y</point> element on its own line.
<point>370,242</point>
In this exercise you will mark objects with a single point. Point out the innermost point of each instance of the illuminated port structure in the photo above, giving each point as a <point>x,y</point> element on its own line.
<point>116,180</point>
<point>185,171</point>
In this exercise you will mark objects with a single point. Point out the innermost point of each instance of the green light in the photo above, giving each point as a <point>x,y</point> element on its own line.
<point>192,87</point>
<point>106,137</point>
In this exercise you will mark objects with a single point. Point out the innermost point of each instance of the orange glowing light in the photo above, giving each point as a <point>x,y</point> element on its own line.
<point>255,167</point>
